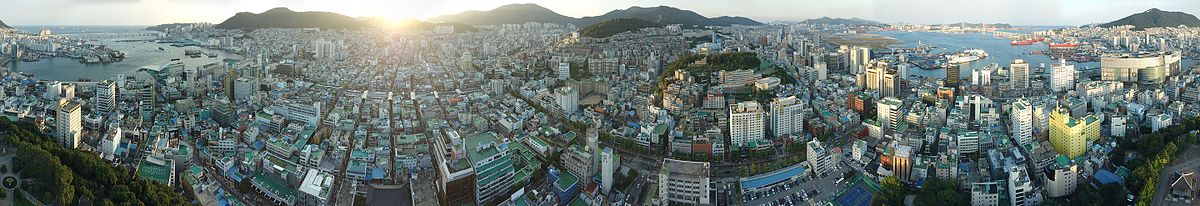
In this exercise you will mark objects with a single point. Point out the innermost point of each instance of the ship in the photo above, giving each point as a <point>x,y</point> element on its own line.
<point>1027,41</point>
<point>966,56</point>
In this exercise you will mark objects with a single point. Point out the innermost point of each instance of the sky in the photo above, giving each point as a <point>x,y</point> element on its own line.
<point>1016,12</point>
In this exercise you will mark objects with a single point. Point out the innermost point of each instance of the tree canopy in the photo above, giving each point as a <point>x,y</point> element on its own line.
<point>65,175</point>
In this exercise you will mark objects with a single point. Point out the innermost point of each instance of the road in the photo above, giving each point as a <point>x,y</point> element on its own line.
<point>341,179</point>
<point>1167,176</point>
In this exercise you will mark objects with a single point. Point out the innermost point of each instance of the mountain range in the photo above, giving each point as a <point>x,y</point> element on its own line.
<point>841,21</point>
<point>4,26</point>
<point>286,18</point>
<point>1155,18</point>
<point>521,13</point>
<point>615,26</point>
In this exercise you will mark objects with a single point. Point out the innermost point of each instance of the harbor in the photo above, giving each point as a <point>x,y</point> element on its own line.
<point>137,50</point>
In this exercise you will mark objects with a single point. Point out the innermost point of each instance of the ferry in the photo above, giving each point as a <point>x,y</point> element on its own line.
<point>969,55</point>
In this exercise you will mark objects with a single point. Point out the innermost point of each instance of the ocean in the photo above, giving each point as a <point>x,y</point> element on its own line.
<point>999,51</point>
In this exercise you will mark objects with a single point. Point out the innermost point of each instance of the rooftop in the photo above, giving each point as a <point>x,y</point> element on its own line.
<point>686,167</point>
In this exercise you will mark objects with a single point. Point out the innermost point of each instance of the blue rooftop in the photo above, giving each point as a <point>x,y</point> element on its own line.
<point>234,173</point>
<point>756,182</point>
<point>1107,177</point>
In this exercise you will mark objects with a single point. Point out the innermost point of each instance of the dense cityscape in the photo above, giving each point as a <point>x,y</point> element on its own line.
<point>640,106</point>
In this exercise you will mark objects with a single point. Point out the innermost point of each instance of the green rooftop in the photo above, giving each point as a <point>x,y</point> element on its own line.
<point>477,153</point>
<point>274,184</point>
<point>154,171</point>
<point>566,179</point>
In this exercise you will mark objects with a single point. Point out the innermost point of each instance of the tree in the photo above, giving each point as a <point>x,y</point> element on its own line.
<point>892,193</point>
<point>1086,195</point>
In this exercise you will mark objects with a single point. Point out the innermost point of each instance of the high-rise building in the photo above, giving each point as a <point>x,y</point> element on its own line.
<point>787,116</point>
<point>888,111</point>
<point>1018,74</point>
<point>568,99</point>
<point>228,85</point>
<point>901,161</point>
<point>1062,78</point>
<point>1061,177</point>
<point>822,70</point>
<point>106,96</point>
<point>746,123</point>
<point>821,161</point>
<point>873,77</point>
<point>456,177</point>
<point>330,50</point>
<point>68,123</point>
<point>982,76</point>
<point>952,74</point>
<point>609,161</point>
<point>492,163</point>
<point>1070,136</point>
<point>1021,119</point>
<point>683,182</point>
<point>859,56</point>
<point>564,71</point>
<point>888,85</point>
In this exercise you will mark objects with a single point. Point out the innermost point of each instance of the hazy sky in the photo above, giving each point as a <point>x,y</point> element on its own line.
<point>1018,12</point>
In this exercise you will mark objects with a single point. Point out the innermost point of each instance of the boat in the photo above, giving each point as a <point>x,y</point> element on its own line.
<point>160,49</point>
<point>1063,45</point>
<point>959,58</point>
<point>1027,41</point>
<point>966,56</point>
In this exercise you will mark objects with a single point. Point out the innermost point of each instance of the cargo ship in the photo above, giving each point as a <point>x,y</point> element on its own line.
<point>1027,41</point>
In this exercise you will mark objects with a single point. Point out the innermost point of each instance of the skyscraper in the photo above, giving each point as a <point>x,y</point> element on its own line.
<point>609,161</point>
<point>1018,74</point>
<point>787,116</point>
<point>952,75</point>
<point>106,96</point>
<point>68,123</point>
<point>746,123</point>
<point>1021,119</point>
<point>859,56</point>
<point>889,85</point>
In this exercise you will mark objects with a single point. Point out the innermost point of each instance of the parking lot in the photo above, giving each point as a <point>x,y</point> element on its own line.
<point>799,192</point>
